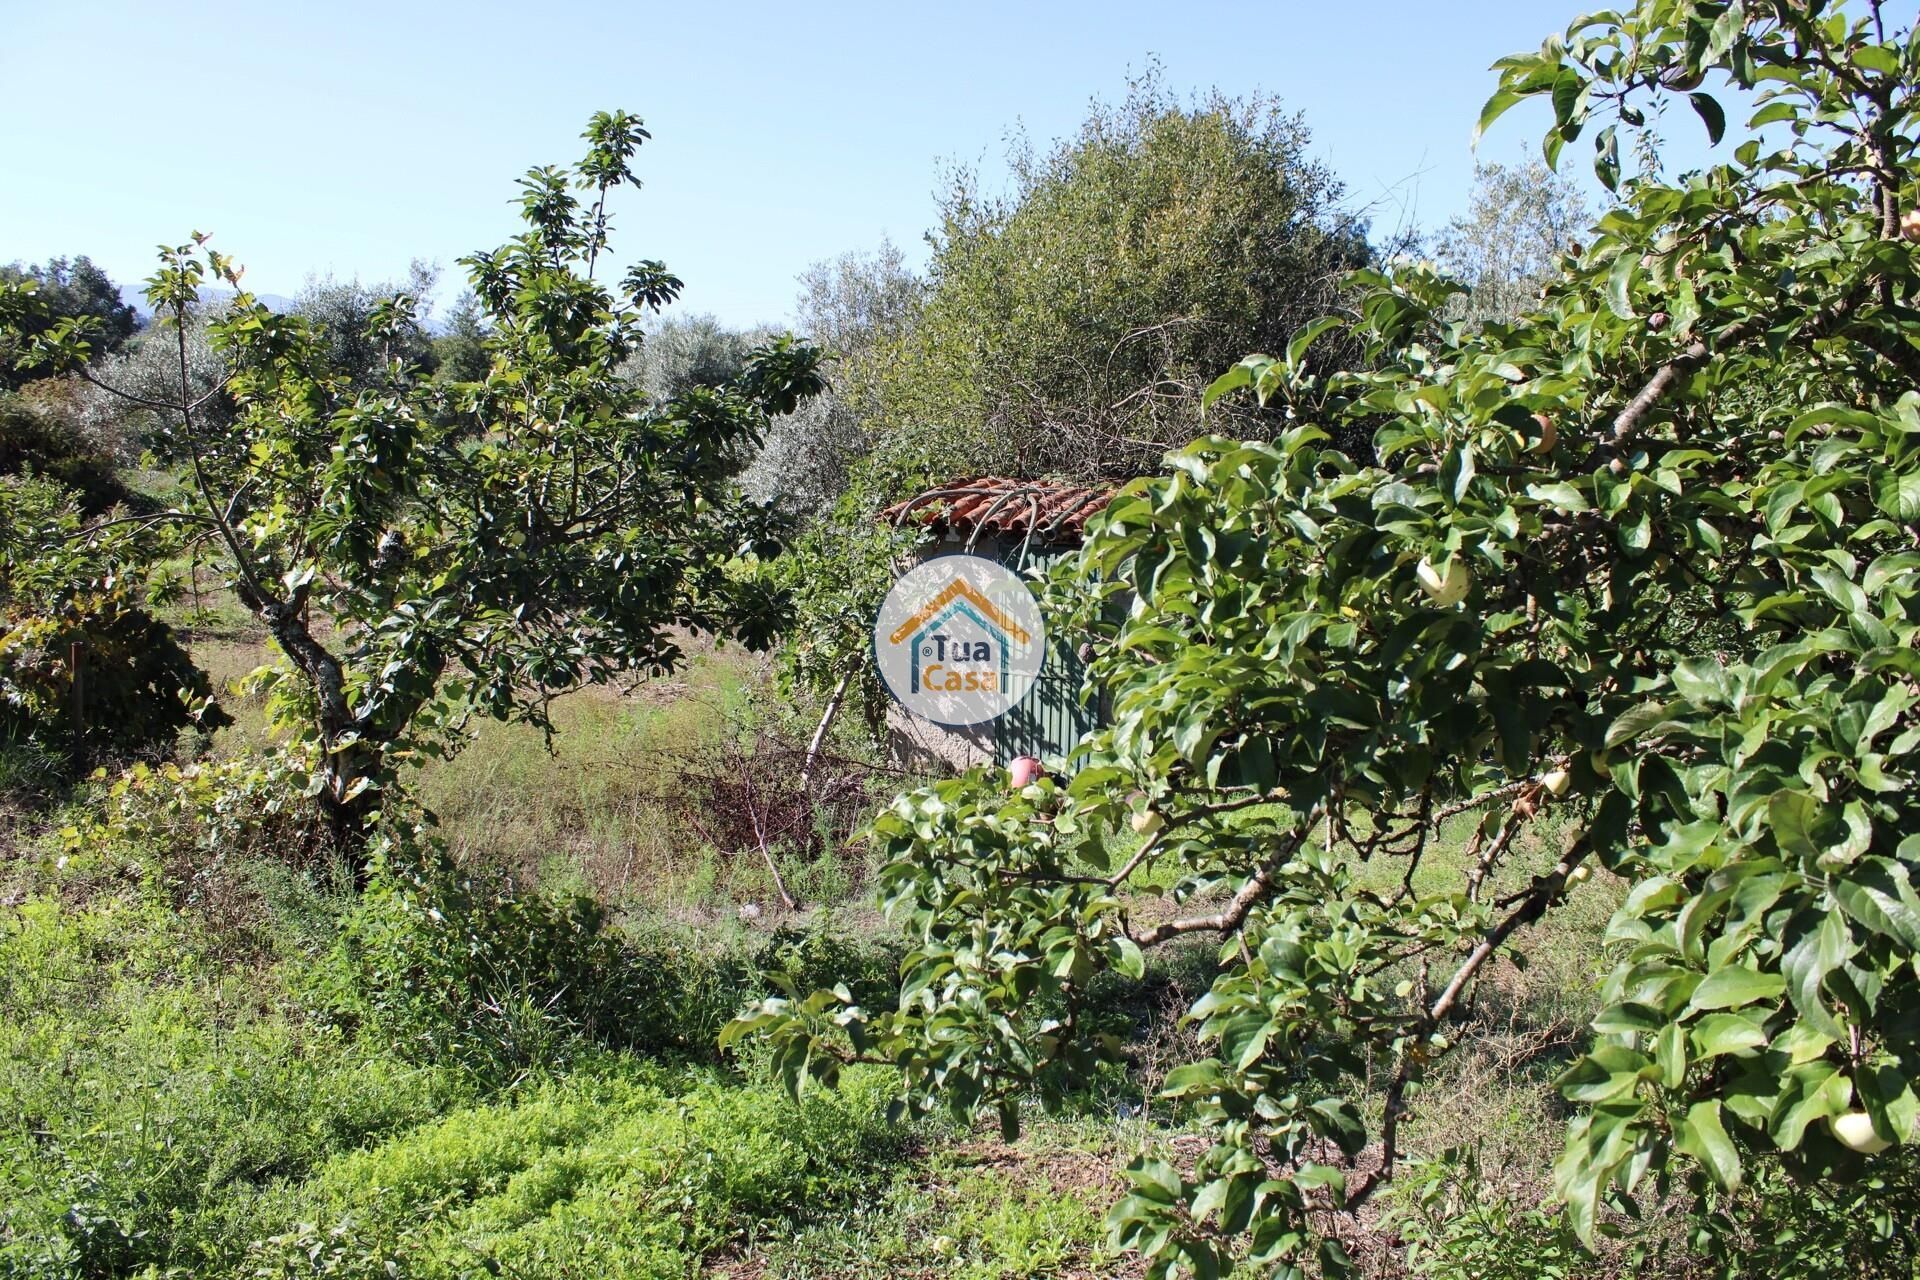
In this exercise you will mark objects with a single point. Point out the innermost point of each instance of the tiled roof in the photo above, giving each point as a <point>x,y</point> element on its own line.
<point>1047,511</point>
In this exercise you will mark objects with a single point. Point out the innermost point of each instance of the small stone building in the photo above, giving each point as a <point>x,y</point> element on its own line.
<point>1025,525</point>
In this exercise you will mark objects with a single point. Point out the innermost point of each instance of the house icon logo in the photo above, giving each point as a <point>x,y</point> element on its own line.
<point>959,640</point>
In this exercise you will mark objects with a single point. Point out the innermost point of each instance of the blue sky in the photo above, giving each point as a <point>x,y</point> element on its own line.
<point>350,137</point>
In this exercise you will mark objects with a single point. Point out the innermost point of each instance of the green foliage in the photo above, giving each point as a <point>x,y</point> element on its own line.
<point>1521,220</point>
<point>856,306</point>
<point>1780,1225</point>
<point>173,1110</point>
<point>32,442</point>
<point>154,1100</point>
<point>1072,324</point>
<point>76,291</point>
<point>450,966</point>
<point>1458,1227</point>
<point>1312,659</point>
<point>216,1064</point>
<point>475,547</point>
<point>342,314</point>
<point>137,687</point>
<point>606,1173</point>
<point>86,672</point>
<point>836,574</point>
<point>460,348</point>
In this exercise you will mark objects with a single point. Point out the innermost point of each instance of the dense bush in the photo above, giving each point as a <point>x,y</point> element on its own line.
<point>138,688</point>
<point>1072,323</point>
<point>87,673</point>
<point>452,965</point>
<point>33,441</point>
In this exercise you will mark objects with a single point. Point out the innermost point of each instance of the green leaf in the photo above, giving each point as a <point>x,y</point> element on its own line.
<point>1736,985</point>
<point>1496,106</point>
<point>1808,959</point>
<point>1631,724</point>
<point>1794,817</point>
<point>1566,95</point>
<point>1304,338</point>
<point>1620,284</point>
<point>1606,158</point>
<point>1670,1055</point>
<point>1878,893</point>
<point>1456,471</point>
<point>1560,495</point>
<point>1702,1136</point>
<point>1702,680</point>
<point>1193,1077</point>
<point>1232,380</point>
<point>1723,1033</point>
<point>1709,111</point>
<point>1897,493</point>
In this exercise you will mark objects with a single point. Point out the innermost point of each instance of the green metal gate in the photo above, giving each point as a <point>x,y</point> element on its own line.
<point>1050,719</point>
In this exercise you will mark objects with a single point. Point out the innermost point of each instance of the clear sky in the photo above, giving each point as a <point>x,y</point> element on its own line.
<point>348,137</point>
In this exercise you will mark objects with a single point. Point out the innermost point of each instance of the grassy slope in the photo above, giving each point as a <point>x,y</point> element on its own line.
<point>174,1097</point>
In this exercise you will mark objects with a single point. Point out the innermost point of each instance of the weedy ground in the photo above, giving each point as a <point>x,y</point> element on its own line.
<point>195,1081</point>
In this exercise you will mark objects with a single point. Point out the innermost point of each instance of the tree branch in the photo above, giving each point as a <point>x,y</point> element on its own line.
<point>1534,903</point>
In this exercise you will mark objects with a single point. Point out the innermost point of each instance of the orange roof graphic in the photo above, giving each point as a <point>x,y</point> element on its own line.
<point>954,590</point>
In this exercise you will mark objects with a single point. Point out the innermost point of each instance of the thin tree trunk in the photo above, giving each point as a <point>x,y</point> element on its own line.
<point>760,838</point>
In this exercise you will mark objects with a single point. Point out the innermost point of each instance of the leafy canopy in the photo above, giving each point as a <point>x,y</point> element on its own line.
<point>1072,324</point>
<point>1711,413</point>
<point>420,550</point>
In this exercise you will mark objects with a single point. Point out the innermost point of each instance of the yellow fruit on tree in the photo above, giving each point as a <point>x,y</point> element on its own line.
<point>1855,1129</point>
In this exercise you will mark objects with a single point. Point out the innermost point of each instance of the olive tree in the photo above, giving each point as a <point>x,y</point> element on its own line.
<point>418,550</point>
<point>1507,246</point>
<point>859,307</point>
<point>1312,662</point>
<point>1072,323</point>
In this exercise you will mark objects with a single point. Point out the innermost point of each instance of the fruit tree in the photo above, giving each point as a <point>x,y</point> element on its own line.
<point>1643,565</point>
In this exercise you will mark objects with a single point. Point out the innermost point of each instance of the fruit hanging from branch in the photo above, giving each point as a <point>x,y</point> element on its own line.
<point>1446,587</point>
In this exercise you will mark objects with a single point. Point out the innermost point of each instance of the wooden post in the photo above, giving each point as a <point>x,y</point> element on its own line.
<point>77,670</point>
<point>820,734</point>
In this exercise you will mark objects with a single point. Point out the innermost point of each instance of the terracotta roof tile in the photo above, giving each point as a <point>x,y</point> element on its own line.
<point>1050,511</point>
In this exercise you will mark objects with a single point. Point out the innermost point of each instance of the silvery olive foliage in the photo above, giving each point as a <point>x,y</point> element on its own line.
<point>421,551</point>
<point>1714,406</point>
<point>1507,246</point>
<point>858,307</point>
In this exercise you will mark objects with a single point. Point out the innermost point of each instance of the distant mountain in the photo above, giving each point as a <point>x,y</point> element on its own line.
<point>131,295</point>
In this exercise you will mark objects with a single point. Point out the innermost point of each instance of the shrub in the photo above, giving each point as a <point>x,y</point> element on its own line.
<point>100,678</point>
<point>155,1099</point>
<point>86,672</point>
<point>454,965</point>
<point>33,442</point>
